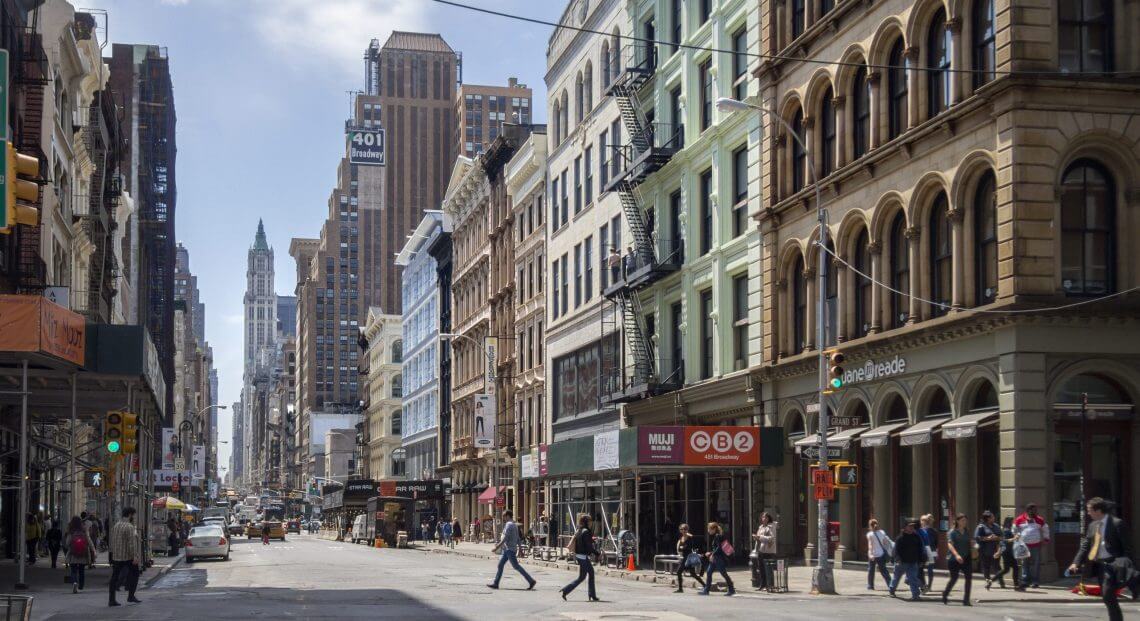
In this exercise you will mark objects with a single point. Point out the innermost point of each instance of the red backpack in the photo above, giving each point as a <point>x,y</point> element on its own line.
<point>78,546</point>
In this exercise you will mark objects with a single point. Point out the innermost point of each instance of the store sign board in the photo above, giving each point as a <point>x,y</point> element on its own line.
<point>660,445</point>
<point>543,453</point>
<point>606,450</point>
<point>722,446</point>
<point>365,146</point>
<point>871,370</point>
<point>528,466</point>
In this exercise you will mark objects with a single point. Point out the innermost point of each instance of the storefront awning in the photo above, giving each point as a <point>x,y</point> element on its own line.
<point>921,432</point>
<point>490,494</point>
<point>881,435</point>
<point>842,439</point>
<point>967,426</point>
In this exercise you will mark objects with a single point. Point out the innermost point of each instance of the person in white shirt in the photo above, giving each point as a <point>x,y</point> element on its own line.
<point>879,550</point>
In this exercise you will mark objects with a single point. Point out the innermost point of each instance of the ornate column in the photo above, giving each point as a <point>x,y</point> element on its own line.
<point>874,79</point>
<point>958,260</point>
<point>913,236</point>
<point>876,250</point>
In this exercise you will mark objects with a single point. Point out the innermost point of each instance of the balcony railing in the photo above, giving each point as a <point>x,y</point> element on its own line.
<point>637,63</point>
<point>631,163</point>
<point>639,268</point>
<point>639,380</point>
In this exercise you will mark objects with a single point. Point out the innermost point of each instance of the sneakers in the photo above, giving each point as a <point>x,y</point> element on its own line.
<point>74,589</point>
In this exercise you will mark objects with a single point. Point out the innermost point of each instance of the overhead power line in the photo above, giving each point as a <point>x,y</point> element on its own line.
<point>781,57</point>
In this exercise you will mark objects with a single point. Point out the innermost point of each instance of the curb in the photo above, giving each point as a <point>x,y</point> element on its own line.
<point>163,570</point>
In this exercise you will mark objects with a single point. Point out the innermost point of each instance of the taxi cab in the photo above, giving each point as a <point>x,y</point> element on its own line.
<point>276,530</point>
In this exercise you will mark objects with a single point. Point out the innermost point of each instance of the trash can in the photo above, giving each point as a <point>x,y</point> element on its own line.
<point>16,607</point>
<point>777,575</point>
<point>402,539</point>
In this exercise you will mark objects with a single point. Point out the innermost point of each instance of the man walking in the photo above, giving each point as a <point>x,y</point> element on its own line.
<point>909,556</point>
<point>509,544</point>
<point>127,553</point>
<point>1032,529</point>
<point>1107,546</point>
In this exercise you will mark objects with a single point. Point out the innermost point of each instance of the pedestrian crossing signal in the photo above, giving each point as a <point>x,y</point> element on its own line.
<point>846,475</point>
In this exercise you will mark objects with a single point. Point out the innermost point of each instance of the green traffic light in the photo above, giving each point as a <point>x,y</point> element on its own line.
<point>836,383</point>
<point>113,446</point>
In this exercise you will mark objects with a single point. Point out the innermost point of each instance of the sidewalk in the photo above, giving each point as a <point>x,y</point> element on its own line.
<point>47,585</point>
<point>848,582</point>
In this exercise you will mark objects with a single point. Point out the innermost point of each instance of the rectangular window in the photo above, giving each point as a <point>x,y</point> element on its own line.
<point>708,330</point>
<point>588,264</point>
<point>554,271</point>
<point>603,161</point>
<point>554,203</point>
<point>705,78</point>
<point>678,23</point>
<point>565,283</point>
<point>739,191</point>
<point>675,115</point>
<point>740,64</point>
<point>615,135</point>
<point>740,321</point>
<point>565,199</point>
<point>604,252</point>
<point>706,215</point>
<point>706,10</point>
<point>577,185</point>
<point>577,275</point>
<point>615,243</point>
<point>589,190</point>
<point>677,338</point>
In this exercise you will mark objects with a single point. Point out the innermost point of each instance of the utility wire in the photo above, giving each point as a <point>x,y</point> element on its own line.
<point>781,57</point>
<point>1022,311</point>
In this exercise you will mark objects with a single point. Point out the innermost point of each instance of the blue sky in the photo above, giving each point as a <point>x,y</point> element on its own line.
<point>260,88</point>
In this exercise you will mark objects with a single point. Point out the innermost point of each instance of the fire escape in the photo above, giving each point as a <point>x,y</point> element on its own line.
<point>648,147</point>
<point>95,213</point>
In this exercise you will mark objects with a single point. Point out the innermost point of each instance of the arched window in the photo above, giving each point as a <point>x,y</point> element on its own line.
<point>1085,35</point>
<point>938,48</point>
<point>397,387</point>
<point>985,240</point>
<point>985,398</point>
<point>588,88</point>
<point>863,286</point>
<point>827,134</point>
<point>897,412</point>
<point>579,98</point>
<point>398,351</point>
<point>897,89</point>
<point>564,122</point>
<point>799,17</point>
<point>938,405</point>
<point>1099,389</point>
<point>799,155</point>
<point>605,64</point>
<point>1088,214</point>
<point>799,306</point>
<point>615,53</point>
<point>831,300</point>
<point>397,423</point>
<point>557,114</point>
<point>900,272</point>
<point>941,257</point>
<point>861,112</point>
<point>984,42</point>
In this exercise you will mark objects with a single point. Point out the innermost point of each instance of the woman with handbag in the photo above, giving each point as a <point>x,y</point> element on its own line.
<point>720,549</point>
<point>765,539</point>
<point>690,558</point>
<point>879,549</point>
<point>582,547</point>
<point>988,538</point>
<point>959,559</point>
<point>930,541</point>
<point>1009,562</point>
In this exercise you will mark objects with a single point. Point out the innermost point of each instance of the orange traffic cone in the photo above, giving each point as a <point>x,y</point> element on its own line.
<point>629,566</point>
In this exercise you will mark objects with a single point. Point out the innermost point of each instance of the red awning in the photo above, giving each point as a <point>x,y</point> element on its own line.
<point>488,496</point>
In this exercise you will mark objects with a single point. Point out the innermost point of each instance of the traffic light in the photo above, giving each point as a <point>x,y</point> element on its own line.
<point>846,475</point>
<point>130,429</point>
<point>113,432</point>
<point>835,360</point>
<point>15,189</point>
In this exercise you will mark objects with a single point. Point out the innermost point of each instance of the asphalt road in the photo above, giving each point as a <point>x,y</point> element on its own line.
<point>310,578</point>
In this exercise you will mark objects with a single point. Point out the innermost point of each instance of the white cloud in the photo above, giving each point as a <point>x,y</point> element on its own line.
<point>175,2</point>
<point>333,35</point>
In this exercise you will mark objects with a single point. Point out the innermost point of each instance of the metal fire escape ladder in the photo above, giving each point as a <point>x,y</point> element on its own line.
<point>631,208</point>
<point>640,347</point>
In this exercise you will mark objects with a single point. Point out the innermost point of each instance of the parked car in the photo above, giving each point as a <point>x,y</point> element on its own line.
<point>293,526</point>
<point>207,541</point>
<point>235,528</point>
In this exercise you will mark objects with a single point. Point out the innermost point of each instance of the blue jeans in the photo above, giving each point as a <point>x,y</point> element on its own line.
<point>879,563</point>
<point>585,570</point>
<point>510,556</point>
<point>717,563</point>
<point>78,574</point>
<point>1031,567</point>
<point>912,578</point>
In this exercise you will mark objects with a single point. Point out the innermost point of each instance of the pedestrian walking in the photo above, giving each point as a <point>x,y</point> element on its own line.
<point>958,559</point>
<point>509,544</point>
<point>989,539</point>
<point>79,553</point>
<point>54,542</point>
<point>690,558</point>
<point>930,542</point>
<point>582,547</point>
<point>765,539</point>
<point>879,549</point>
<point>1031,530</point>
<point>1009,561</point>
<point>32,538</point>
<point>447,533</point>
<point>720,549</point>
<point>128,557</point>
<point>265,533</point>
<point>439,533</point>
<point>1108,548</point>
<point>910,554</point>
<point>173,536</point>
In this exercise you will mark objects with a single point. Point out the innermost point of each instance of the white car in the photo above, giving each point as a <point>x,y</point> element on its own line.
<point>204,541</point>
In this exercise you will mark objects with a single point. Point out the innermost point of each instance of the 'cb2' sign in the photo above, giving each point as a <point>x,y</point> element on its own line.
<point>722,446</point>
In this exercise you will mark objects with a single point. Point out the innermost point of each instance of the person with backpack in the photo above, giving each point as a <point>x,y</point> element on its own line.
<point>720,549</point>
<point>582,548</point>
<point>80,552</point>
<point>690,558</point>
<point>54,540</point>
<point>879,549</point>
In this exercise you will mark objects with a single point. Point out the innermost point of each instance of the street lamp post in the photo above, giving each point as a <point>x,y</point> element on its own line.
<point>184,428</point>
<point>823,580</point>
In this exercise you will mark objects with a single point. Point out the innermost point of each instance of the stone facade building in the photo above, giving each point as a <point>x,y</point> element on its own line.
<point>481,111</point>
<point>383,456</point>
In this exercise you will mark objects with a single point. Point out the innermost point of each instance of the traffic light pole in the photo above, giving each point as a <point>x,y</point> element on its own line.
<point>22,516</point>
<point>823,580</point>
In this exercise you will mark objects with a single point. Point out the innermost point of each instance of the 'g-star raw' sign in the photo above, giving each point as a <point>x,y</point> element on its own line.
<point>872,370</point>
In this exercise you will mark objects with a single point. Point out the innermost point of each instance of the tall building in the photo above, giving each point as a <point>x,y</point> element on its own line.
<point>382,341</point>
<point>140,80</point>
<point>480,112</point>
<point>260,329</point>
<point>410,91</point>
<point>286,316</point>
<point>194,367</point>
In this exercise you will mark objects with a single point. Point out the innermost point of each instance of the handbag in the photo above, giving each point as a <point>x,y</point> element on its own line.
<point>727,548</point>
<point>692,560</point>
<point>1020,550</point>
<point>930,556</point>
<point>572,547</point>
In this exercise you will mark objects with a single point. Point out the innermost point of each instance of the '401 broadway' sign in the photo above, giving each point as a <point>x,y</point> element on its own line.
<point>871,370</point>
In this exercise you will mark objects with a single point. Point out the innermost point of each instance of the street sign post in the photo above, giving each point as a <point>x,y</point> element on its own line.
<point>812,452</point>
<point>366,146</point>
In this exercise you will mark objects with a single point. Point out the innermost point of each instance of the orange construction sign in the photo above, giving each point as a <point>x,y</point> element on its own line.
<point>30,323</point>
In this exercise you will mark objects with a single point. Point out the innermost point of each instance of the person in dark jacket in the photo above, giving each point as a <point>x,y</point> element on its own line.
<point>1106,545</point>
<point>988,535</point>
<point>687,548</point>
<point>583,549</point>
<point>54,541</point>
<point>958,560</point>
<point>718,559</point>
<point>1009,561</point>
<point>910,554</point>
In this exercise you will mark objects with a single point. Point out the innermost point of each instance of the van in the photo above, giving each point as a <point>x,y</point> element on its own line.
<point>359,528</point>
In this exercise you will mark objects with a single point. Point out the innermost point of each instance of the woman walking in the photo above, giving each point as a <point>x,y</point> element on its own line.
<point>582,547</point>
<point>718,553</point>
<point>958,560</point>
<point>988,536</point>
<point>1009,561</point>
<point>32,538</point>
<point>54,541</point>
<point>456,533</point>
<point>765,538</point>
<point>690,559</point>
<point>930,541</point>
<point>80,552</point>
<point>879,549</point>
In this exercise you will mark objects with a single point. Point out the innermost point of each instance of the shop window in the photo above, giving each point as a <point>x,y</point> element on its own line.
<point>1088,213</point>
<point>941,257</point>
<point>985,240</point>
<point>985,398</point>
<point>938,405</point>
<point>1100,390</point>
